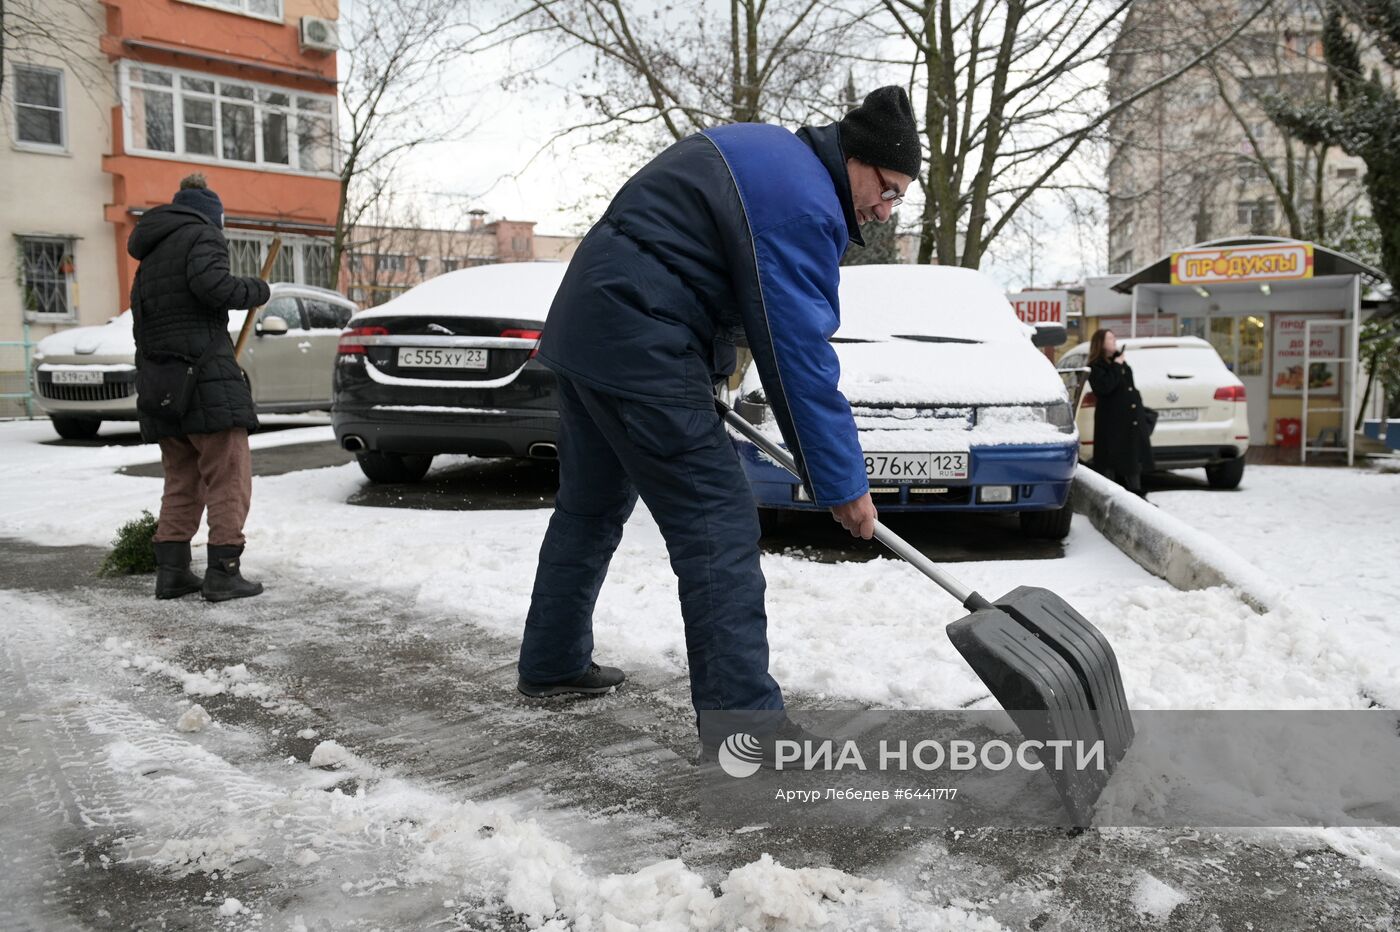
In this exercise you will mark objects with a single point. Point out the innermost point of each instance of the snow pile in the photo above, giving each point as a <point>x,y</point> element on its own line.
<point>879,301</point>
<point>1206,649</point>
<point>193,719</point>
<point>501,858</point>
<point>947,373</point>
<point>333,755</point>
<point>515,289</point>
<point>1329,538</point>
<point>1155,899</point>
<point>233,680</point>
<point>231,907</point>
<point>113,338</point>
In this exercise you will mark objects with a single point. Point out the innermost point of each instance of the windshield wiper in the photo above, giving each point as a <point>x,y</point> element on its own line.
<point>928,338</point>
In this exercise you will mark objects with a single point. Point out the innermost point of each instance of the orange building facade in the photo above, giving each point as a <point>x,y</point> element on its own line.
<point>243,91</point>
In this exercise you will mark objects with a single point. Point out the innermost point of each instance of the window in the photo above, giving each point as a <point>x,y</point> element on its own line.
<point>1346,174</point>
<point>1257,215</point>
<point>422,267</point>
<point>301,259</point>
<point>265,9</point>
<point>1123,264</point>
<point>285,308</point>
<point>152,111</point>
<point>245,255</point>
<point>48,275</point>
<point>39,107</point>
<point>389,263</point>
<point>228,121</point>
<point>325,314</point>
<point>316,265</point>
<point>451,263</point>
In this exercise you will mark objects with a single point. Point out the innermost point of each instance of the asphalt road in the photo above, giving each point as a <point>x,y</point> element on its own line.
<point>431,699</point>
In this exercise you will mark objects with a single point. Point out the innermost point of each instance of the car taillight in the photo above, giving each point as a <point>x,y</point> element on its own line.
<point>1088,401</point>
<point>1230,393</point>
<point>350,344</point>
<point>526,335</point>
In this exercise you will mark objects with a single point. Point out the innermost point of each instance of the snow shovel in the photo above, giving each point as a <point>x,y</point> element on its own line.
<point>1052,671</point>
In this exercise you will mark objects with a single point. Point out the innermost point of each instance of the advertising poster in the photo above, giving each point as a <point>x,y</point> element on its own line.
<point>1289,345</point>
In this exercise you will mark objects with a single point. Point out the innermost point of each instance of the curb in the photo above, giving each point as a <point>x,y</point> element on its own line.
<point>1168,547</point>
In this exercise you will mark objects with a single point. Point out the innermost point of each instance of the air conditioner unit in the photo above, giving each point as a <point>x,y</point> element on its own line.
<point>319,34</point>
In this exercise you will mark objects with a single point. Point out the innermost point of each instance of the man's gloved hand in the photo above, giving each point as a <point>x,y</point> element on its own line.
<point>857,516</point>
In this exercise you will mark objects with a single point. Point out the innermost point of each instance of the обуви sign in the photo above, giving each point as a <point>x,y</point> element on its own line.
<point>1040,307</point>
<point>1282,262</point>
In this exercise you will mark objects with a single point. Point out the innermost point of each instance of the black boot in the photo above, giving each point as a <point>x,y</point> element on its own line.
<point>173,576</point>
<point>222,580</point>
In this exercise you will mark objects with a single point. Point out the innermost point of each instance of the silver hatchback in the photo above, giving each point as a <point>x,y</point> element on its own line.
<point>87,375</point>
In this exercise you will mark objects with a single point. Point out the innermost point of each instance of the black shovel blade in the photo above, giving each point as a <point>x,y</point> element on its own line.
<point>1057,677</point>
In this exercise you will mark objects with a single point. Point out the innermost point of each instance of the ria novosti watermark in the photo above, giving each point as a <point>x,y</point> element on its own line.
<point>962,768</point>
<point>742,755</point>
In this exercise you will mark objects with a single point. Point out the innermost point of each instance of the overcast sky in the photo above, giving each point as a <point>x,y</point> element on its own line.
<point>498,167</point>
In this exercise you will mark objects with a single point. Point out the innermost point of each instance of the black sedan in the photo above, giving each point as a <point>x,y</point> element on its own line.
<point>449,367</point>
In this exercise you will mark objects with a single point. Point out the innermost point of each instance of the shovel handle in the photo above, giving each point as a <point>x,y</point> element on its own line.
<point>898,545</point>
<point>272,251</point>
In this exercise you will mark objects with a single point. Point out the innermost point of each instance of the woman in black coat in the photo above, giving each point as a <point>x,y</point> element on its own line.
<point>1122,448</point>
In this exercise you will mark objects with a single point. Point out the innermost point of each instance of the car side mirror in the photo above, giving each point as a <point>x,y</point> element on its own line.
<point>271,325</point>
<point>1049,336</point>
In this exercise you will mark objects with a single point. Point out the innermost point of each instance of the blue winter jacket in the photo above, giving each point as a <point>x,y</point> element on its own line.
<point>732,235</point>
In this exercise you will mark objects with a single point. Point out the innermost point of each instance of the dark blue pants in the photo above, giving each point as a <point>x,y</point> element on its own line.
<point>681,462</point>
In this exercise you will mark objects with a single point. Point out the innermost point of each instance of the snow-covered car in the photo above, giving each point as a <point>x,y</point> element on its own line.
<point>449,367</point>
<point>87,375</point>
<point>956,409</point>
<point>1201,411</point>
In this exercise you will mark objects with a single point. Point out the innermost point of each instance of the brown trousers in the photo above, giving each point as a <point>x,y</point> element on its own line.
<point>213,471</point>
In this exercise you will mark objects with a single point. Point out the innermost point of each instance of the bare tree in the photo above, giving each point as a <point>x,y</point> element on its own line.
<point>61,28</point>
<point>1012,90</point>
<point>679,70</point>
<point>395,62</point>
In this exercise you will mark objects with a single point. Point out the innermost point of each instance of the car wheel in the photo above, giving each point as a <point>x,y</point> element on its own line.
<point>1226,475</point>
<point>1048,525</point>
<point>393,467</point>
<point>76,428</point>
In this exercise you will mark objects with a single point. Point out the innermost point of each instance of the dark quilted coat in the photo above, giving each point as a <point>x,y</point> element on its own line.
<point>1121,440</point>
<point>180,303</point>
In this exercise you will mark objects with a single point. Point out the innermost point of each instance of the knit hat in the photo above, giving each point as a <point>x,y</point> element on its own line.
<point>194,193</point>
<point>882,131</point>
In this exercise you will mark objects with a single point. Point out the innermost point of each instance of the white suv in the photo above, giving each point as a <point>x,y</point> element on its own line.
<point>87,375</point>
<point>1200,404</point>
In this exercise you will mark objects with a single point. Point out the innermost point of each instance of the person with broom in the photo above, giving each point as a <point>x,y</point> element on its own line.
<point>192,397</point>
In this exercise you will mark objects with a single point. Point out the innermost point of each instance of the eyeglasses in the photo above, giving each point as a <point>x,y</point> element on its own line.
<point>890,194</point>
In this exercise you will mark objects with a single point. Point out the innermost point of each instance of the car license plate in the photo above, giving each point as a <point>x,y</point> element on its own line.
<point>419,357</point>
<point>915,467</point>
<point>1178,414</point>
<point>76,377</point>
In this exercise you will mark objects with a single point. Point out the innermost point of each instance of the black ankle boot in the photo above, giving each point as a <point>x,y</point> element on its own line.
<point>173,576</point>
<point>222,580</point>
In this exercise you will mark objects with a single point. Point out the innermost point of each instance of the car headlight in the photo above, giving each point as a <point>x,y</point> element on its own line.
<point>1057,414</point>
<point>1061,416</point>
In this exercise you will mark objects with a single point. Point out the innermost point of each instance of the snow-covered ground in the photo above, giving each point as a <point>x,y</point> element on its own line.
<point>855,632</point>
<point>1330,536</point>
